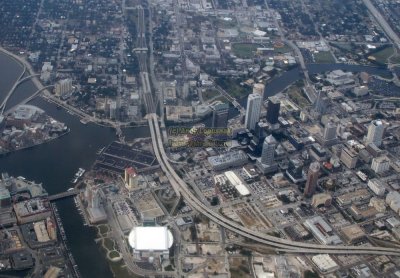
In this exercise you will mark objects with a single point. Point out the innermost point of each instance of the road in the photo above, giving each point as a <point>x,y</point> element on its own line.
<point>383,23</point>
<point>282,245</point>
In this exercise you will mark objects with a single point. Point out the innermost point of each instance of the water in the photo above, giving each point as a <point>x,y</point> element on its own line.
<point>8,73</point>
<point>55,163</point>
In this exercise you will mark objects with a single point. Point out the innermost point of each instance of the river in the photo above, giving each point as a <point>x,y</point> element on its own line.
<point>55,163</point>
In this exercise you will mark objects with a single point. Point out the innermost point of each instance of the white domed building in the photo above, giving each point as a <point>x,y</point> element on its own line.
<point>150,242</point>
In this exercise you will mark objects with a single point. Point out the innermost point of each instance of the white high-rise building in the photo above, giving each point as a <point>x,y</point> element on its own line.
<point>330,131</point>
<point>253,111</point>
<point>63,87</point>
<point>375,133</point>
<point>268,150</point>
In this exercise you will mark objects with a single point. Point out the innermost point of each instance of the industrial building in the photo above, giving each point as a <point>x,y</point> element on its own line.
<point>321,230</point>
<point>237,183</point>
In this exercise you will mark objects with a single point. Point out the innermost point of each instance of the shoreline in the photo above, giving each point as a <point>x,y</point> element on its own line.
<point>35,145</point>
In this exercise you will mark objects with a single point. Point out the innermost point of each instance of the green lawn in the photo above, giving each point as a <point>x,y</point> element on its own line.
<point>383,55</point>
<point>103,229</point>
<point>109,243</point>
<point>114,254</point>
<point>342,46</point>
<point>282,50</point>
<point>120,270</point>
<point>233,87</point>
<point>297,97</point>
<point>245,50</point>
<point>209,94</point>
<point>396,59</point>
<point>323,57</point>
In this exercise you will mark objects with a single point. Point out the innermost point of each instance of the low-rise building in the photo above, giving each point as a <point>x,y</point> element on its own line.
<point>380,164</point>
<point>32,210</point>
<point>376,186</point>
<point>321,230</point>
<point>352,233</point>
<point>393,200</point>
<point>324,263</point>
<point>237,183</point>
<point>378,204</point>
<point>227,160</point>
<point>355,196</point>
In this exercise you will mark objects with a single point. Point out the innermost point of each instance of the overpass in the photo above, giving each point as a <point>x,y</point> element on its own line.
<point>9,94</point>
<point>63,195</point>
<point>25,101</point>
<point>279,244</point>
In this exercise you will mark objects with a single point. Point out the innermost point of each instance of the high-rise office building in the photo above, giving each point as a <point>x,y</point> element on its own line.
<point>312,179</point>
<point>268,150</point>
<point>330,131</point>
<point>295,170</point>
<point>131,178</point>
<point>349,157</point>
<point>375,133</point>
<point>220,115</point>
<point>253,111</point>
<point>273,108</point>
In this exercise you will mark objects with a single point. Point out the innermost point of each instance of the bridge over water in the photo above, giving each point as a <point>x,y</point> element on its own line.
<point>63,195</point>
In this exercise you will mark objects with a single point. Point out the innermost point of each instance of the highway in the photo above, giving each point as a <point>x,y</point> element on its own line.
<point>182,189</point>
<point>383,23</point>
<point>279,244</point>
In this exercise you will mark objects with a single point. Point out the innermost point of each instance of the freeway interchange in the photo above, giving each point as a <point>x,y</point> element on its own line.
<point>279,244</point>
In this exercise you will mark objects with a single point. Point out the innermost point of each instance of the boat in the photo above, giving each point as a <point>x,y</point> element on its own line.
<point>71,189</point>
<point>80,172</point>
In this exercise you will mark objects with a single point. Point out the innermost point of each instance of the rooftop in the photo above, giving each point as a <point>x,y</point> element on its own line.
<point>150,238</point>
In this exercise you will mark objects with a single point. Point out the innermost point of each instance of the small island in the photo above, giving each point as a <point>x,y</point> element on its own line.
<point>28,126</point>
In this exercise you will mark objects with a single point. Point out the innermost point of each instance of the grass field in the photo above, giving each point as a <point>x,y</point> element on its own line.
<point>233,87</point>
<point>396,59</point>
<point>323,57</point>
<point>109,243</point>
<point>344,46</point>
<point>103,229</point>
<point>297,97</point>
<point>245,50</point>
<point>120,271</point>
<point>114,254</point>
<point>209,94</point>
<point>383,55</point>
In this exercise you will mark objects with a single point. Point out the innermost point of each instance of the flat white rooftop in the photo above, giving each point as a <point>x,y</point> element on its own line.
<point>150,238</point>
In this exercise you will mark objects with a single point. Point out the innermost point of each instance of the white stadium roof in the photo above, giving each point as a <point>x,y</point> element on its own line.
<point>150,238</point>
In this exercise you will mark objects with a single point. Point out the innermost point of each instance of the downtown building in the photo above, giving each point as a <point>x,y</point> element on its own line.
<point>375,133</point>
<point>253,111</point>
<point>220,115</point>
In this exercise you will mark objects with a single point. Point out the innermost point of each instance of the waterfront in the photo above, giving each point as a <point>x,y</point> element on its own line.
<point>55,163</point>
